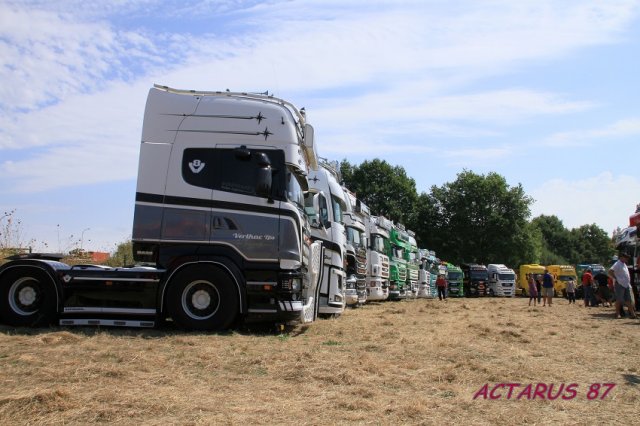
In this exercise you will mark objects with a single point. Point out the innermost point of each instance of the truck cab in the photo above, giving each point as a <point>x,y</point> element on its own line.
<point>522,284</point>
<point>219,229</point>
<point>326,197</point>
<point>396,249</point>
<point>356,254</point>
<point>475,279</point>
<point>428,274</point>
<point>412,255</point>
<point>561,275</point>
<point>378,270</point>
<point>455,279</point>
<point>502,280</point>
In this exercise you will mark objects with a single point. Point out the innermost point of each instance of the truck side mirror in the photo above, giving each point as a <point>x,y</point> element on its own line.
<point>264,179</point>
<point>320,206</point>
<point>313,216</point>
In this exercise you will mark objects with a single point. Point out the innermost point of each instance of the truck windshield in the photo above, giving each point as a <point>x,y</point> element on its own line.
<point>397,251</point>
<point>294,189</point>
<point>455,275</point>
<point>479,275</point>
<point>353,236</point>
<point>567,278</point>
<point>506,277</point>
<point>377,243</point>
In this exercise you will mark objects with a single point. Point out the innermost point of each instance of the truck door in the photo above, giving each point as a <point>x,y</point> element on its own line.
<point>188,193</point>
<point>242,217</point>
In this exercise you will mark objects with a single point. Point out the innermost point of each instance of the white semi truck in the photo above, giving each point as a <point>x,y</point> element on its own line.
<point>328,200</point>
<point>219,225</point>
<point>502,280</point>
<point>378,228</point>
<point>356,255</point>
<point>428,274</point>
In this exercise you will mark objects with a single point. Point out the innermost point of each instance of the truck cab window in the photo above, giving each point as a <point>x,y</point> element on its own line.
<point>377,243</point>
<point>338,207</point>
<point>294,191</point>
<point>353,236</point>
<point>201,167</point>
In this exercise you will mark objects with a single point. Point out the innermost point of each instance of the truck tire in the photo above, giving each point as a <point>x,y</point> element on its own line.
<point>203,297</point>
<point>27,298</point>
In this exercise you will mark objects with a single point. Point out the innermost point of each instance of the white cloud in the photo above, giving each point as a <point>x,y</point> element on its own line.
<point>605,199</point>
<point>87,139</point>
<point>477,155</point>
<point>48,56</point>
<point>387,79</point>
<point>619,129</point>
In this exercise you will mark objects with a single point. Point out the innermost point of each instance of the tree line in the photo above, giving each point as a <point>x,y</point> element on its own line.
<point>476,218</point>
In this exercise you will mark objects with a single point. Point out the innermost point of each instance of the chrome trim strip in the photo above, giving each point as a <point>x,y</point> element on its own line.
<point>107,322</point>
<point>98,309</point>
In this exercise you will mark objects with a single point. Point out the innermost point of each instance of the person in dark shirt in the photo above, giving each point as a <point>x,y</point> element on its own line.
<point>538,279</point>
<point>603,294</point>
<point>441,283</point>
<point>547,288</point>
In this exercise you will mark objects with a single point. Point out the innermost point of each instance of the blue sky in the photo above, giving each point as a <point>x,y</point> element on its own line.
<point>545,93</point>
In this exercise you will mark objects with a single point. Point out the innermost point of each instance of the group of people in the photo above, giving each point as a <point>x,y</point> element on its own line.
<point>541,290</point>
<point>596,288</point>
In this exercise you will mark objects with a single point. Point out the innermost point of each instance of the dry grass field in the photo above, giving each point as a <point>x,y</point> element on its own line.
<point>409,362</point>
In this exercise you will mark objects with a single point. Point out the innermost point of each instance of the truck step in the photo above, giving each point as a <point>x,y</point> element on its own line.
<point>108,322</point>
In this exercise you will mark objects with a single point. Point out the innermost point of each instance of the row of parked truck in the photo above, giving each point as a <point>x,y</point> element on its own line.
<point>236,219</point>
<point>561,275</point>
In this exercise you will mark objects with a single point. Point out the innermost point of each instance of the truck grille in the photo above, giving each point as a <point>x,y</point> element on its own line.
<point>384,273</point>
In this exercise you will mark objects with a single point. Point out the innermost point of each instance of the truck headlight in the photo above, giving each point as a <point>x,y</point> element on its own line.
<point>296,285</point>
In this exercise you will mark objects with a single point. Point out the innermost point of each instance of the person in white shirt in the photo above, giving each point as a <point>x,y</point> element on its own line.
<point>622,285</point>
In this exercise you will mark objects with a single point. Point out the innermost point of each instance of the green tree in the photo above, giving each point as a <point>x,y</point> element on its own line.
<point>477,218</point>
<point>123,256</point>
<point>591,245</point>
<point>530,247</point>
<point>386,189</point>
<point>558,245</point>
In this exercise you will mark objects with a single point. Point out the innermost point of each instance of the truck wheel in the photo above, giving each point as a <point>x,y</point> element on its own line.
<point>203,298</point>
<point>27,298</point>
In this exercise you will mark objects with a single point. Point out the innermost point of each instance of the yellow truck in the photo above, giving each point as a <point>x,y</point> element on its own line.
<point>561,274</point>
<point>523,284</point>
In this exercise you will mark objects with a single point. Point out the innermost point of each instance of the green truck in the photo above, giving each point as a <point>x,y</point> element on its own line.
<point>455,279</point>
<point>397,246</point>
<point>412,255</point>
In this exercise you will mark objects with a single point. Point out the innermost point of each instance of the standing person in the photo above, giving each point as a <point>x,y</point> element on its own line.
<point>603,288</point>
<point>571,291</point>
<point>587,289</point>
<point>533,290</point>
<point>622,285</point>
<point>539,288</point>
<point>547,288</point>
<point>441,283</point>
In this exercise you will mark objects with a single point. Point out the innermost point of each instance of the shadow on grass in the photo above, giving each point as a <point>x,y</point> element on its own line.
<point>166,329</point>
<point>631,379</point>
<point>612,317</point>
